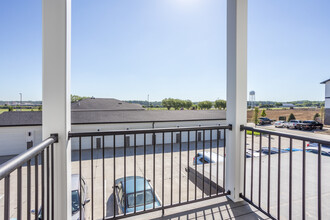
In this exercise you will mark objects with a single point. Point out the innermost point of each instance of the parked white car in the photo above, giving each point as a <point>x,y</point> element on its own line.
<point>280,124</point>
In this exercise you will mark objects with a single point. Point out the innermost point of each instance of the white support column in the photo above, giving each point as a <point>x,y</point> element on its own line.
<point>56,104</point>
<point>236,93</point>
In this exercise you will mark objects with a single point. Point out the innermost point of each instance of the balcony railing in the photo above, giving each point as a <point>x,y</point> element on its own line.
<point>42,158</point>
<point>287,178</point>
<point>131,172</point>
<point>170,161</point>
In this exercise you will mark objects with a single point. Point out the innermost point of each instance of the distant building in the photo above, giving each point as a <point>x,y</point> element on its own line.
<point>327,102</point>
<point>288,105</point>
<point>21,130</point>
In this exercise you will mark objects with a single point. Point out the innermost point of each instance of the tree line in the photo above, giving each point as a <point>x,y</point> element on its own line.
<point>178,104</point>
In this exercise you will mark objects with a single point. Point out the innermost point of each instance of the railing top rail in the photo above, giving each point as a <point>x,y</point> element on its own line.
<point>19,160</point>
<point>298,137</point>
<point>151,130</point>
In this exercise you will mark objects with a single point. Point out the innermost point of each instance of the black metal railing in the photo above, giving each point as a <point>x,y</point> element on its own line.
<point>167,160</point>
<point>38,191</point>
<point>289,177</point>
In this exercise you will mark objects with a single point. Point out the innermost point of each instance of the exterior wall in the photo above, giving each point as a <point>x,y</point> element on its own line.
<point>327,116</point>
<point>13,140</point>
<point>327,95</point>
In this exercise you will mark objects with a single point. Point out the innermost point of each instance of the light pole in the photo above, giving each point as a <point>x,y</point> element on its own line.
<point>20,94</point>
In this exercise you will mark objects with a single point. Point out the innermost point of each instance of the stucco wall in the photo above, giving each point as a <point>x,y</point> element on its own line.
<point>13,140</point>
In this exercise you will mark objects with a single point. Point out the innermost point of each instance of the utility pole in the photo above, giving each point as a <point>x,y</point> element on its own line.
<point>148,102</point>
<point>20,94</point>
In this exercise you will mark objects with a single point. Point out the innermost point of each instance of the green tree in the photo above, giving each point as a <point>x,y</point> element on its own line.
<point>10,108</point>
<point>40,108</point>
<point>220,104</point>
<point>317,115</point>
<point>187,104</point>
<point>256,115</point>
<point>291,117</point>
<point>205,105</point>
<point>167,103</point>
<point>263,113</point>
<point>278,104</point>
<point>76,98</point>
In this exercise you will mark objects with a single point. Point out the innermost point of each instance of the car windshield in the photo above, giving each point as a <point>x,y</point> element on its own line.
<point>139,198</point>
<point>75,201</point>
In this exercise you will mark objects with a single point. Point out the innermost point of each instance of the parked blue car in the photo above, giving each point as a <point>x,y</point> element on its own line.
<point>273,150</point>
<point>125,200</point>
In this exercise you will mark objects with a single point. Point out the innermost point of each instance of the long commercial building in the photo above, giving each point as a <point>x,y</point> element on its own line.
<point>21,130</point>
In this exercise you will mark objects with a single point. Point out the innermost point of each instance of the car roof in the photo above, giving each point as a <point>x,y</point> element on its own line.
<point>208,156</point>
<point>323,149</point>
<point>130,183</point>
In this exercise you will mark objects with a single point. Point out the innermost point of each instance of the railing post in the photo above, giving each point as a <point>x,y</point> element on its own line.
<point>56,114</point>
<point>236,94</point>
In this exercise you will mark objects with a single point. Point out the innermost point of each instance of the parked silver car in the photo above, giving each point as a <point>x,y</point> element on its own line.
<point>280,124</point>
<point>78,198</point>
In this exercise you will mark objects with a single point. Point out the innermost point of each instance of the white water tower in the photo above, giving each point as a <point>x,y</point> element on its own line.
<point>252,98</point>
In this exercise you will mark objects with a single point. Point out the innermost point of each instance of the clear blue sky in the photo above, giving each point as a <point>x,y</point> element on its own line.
<point>127,49</point>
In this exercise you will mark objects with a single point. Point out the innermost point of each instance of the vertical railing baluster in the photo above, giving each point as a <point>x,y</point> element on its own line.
<point>244,180</point>
<point>80,175</point>
<point>268,186</point>
<point>217,180</point>
<point>252,155</point>
<point>304,182</point>
<point>211,162</point>
<point>19,193</point>
<point>196,164</point>
<point>48,184</point>
<point>154,169</point>
<point>172,168</point>
<point>180,167</point>
<point>224,161</point>
<point>92,176</point>
<point>279,179</point>
<point>36,187</point>
<point>290,181</point>
<point>144,172</point>
<point>52,180</point>
<point>163,173</point>
<point>28,204</point>
<point>7,198</point>
<point>103,178</point>
<point>125,194</point>
<point>134,173</point>
<point>319,200</point>
<point>259,193</point>
<point>203,163</point>
<point>43,182</point>
<point>188,166</point>
<point>114,176</point>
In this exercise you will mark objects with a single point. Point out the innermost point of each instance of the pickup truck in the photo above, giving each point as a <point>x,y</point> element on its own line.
<point>309,125</point>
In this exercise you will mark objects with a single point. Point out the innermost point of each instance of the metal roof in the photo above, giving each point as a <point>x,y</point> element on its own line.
<point>107,117</point>
<point>104,104</point>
